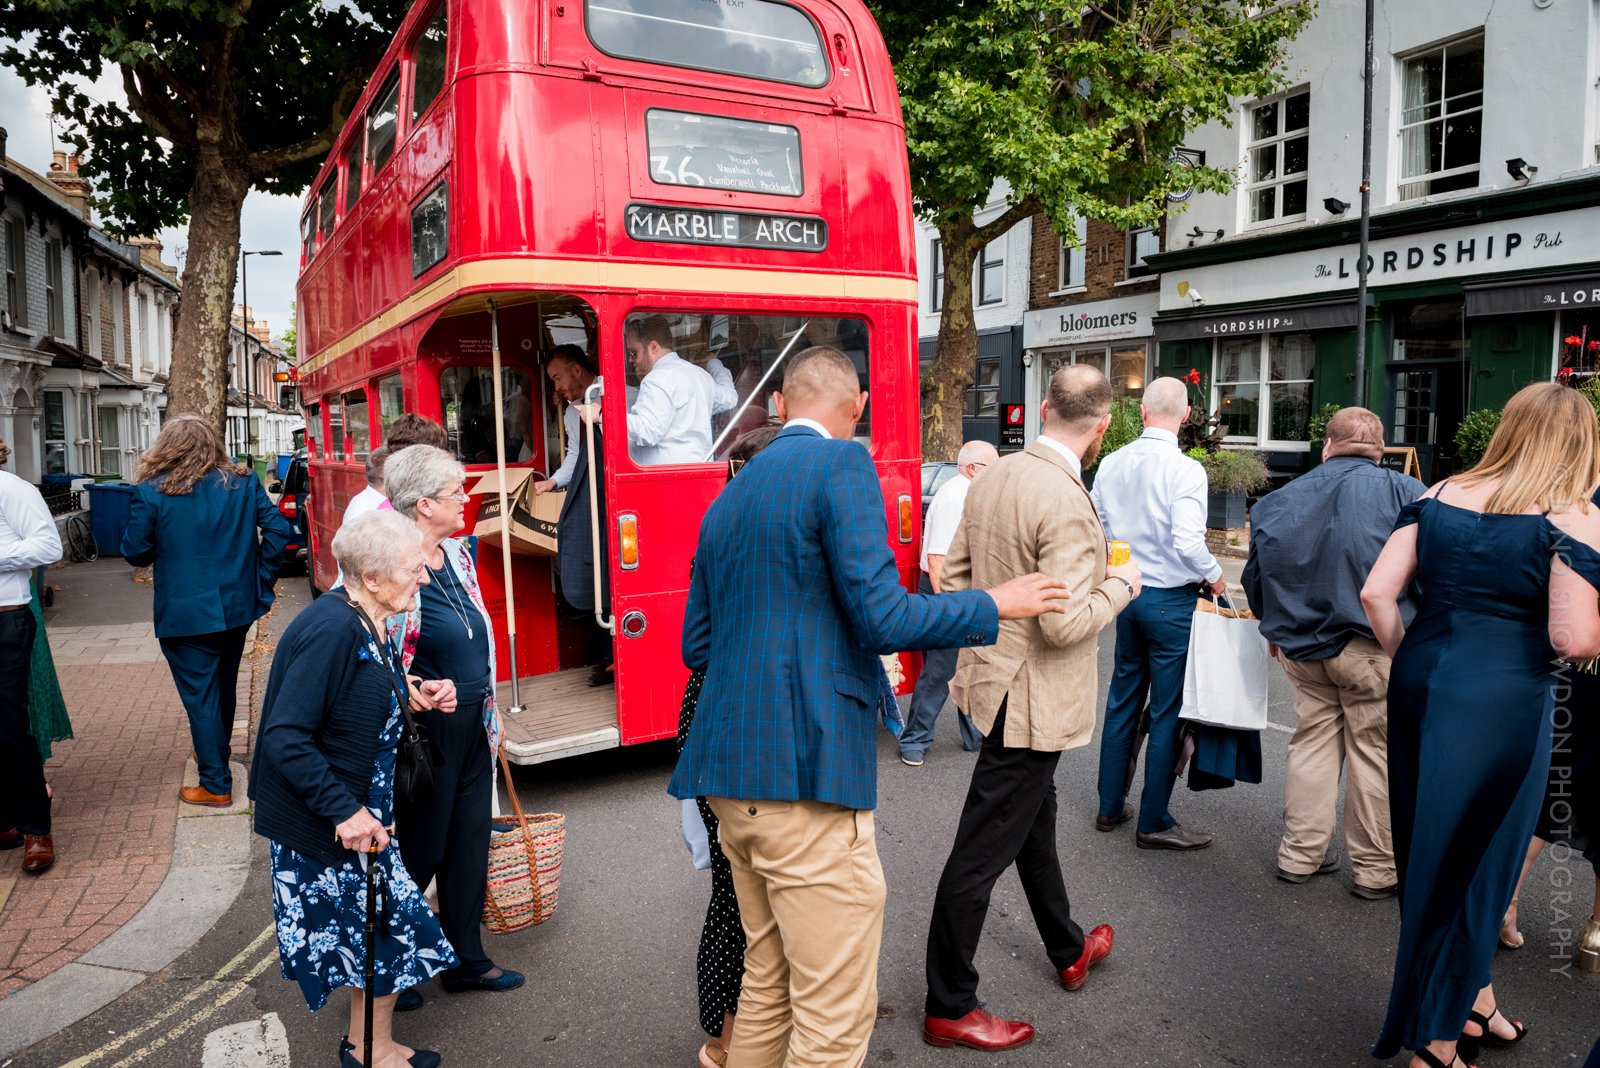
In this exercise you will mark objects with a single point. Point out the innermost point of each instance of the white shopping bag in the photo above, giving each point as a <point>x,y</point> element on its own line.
<point>1225,680</point>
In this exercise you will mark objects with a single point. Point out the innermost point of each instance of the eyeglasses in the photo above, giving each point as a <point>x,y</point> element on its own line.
<point>459,497</point>
<point>414,572</point>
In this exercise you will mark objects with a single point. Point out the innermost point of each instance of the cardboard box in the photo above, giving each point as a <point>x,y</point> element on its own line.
<point>533,515</point>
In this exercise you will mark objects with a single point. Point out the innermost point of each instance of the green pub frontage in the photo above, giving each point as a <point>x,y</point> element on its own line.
<point>1470,299</point>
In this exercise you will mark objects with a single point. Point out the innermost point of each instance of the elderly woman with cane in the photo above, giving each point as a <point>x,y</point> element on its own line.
<point>323,782</point>
<point>448,635</point>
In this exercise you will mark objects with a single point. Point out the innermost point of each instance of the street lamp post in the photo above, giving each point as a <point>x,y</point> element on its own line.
<point>250,362</point>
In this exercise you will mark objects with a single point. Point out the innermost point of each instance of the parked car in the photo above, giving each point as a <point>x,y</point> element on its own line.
<point>934,476</point>
<point>292,493</point>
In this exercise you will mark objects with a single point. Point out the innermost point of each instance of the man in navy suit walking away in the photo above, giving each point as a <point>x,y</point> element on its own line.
<point>793,599</point>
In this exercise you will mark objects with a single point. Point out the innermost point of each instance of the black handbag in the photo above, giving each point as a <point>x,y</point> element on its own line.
<point>418,753</point>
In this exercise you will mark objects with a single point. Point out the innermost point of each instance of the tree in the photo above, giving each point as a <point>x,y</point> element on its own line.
<point>290,340</point>
<point>222,97</point>
<point>1079,108</point>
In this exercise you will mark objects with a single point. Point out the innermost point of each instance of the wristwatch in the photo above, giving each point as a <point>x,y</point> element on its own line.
<point>1125,582</point>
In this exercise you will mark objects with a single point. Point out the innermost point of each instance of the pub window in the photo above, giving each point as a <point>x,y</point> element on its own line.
<point>355,424</point>
<point>352,172</point>
<point>1070,256</point>
<point>936,277</point>
<point>1262,388</point>
<point>992,272</point>
<point>758,39</point>
<point>983,397</point>
<point>430,229</point>
<point>1578,345</point>
<point>1277,157</point>
<point>382,117</point>
<point>427,64</point>
<point>1441,119</point>
<point>391,402</point>
<point>16,277</point>
<point>54,299</point>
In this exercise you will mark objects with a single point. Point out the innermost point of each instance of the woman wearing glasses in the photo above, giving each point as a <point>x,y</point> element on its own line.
<point>448,636</point>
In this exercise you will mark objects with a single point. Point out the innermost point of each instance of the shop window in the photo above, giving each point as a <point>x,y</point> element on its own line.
<point>1441,119</point>
<point>1430,330</point>
<point>356,426</point>
<point>1070,257</point>
<point>983,397</point>
<point>1262,388</point>
<point>992,272</point>
<point>391,402</point>
<point>1578,347</point>
<point>467,393</point>
<point>1277,158</point>
<point>936,278</point>
<point>1128,371</point>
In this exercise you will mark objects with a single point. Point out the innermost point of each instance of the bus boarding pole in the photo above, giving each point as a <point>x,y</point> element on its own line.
<point>505,511</point>
<point>591,396</point>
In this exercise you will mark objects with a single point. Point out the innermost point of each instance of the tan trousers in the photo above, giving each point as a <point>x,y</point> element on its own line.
<point>811,896</point>
<point>1342,707</point>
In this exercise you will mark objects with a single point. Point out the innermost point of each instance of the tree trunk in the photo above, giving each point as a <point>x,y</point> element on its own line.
<point>198,381</point>
<point>955,357</point>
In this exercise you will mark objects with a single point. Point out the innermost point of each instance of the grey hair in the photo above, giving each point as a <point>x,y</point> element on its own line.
<point>976,452</point>
<point>374,543</point>
<point>418,472</point>
<point>1166,397</point>
<point>375,463</point>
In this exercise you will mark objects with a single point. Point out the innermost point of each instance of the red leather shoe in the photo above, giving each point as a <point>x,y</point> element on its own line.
<point>1096,947</point>
<point>978,1029</point>
<point>38,853</point>
<point>199,795</point>
<point>10,839</point>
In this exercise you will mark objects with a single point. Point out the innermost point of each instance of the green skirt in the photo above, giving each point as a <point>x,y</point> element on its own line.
<point>47,711</point>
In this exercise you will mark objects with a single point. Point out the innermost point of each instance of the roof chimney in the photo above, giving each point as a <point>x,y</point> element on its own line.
<point>150,255</point>
<point>64,176</point>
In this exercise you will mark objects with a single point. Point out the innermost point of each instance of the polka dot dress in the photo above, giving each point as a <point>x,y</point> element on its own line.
<point>720,962</point>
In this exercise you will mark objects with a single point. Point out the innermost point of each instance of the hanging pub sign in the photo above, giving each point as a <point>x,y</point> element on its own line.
<point>736,229</point>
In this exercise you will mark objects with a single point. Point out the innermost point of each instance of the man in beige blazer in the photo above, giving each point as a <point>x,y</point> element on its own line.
<point>1033,694</point>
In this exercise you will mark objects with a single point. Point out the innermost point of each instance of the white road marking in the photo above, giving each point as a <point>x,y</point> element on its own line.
<point>253,1044</point>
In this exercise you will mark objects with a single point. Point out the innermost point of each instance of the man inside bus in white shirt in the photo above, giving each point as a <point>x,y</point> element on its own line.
<point>368,499</point>
<point>670,420</point>
<point>569,371</point>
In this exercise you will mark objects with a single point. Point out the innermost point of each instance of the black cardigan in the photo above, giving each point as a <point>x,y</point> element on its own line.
<point>325,708</point>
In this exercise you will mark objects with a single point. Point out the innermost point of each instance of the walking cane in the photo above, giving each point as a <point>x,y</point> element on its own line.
<point>374,890</point>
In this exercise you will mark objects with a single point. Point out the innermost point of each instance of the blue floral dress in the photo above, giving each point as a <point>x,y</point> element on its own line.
<point>321,911</point>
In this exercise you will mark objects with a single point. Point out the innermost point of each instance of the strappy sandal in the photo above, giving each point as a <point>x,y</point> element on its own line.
<point>1472,1044</point>
<point>1434,1062</point>
<point>713,1055</point>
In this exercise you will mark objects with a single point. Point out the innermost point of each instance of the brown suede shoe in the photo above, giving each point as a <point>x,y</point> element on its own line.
<point>199,795</point>
<point>38,853</point>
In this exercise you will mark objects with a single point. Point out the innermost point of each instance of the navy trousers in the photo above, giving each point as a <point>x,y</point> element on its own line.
<point>1152,649</point>
<point>205,668</point>
<point>24,804</point>
<point>446,834</point>
<point>929,696</point>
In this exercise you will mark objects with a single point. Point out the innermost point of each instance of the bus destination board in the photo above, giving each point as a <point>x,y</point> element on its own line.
<point>737,229</point>
<point>722,153</point>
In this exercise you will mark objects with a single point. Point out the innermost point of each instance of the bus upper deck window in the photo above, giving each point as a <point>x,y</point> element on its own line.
<point>352,172</point>
<point>308,235</point>
<point>757,39</point>
<point>427,62</point>
<point>327,210</point>
<point>382,117</point>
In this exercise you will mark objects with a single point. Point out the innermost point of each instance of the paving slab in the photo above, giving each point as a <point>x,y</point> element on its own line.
<point>59,1000</point>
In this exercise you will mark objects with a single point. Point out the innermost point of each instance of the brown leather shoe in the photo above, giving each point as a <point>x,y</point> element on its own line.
<point>199,795</point>
<point>38,853</point>
<point>10,839</point>
<point>1096,947</point>
<point>1111,823</point>
<point>978,1029</point>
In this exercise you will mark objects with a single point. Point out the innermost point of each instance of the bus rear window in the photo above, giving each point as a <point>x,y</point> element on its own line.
<point>757,39</point>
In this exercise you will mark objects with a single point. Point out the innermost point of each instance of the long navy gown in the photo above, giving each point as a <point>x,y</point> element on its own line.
<point>1469,748</point>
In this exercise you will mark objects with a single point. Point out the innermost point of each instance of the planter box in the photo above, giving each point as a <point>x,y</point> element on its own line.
<point>1225,510</point>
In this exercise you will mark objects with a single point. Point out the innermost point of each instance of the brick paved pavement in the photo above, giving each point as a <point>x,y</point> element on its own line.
<point>115,809</point>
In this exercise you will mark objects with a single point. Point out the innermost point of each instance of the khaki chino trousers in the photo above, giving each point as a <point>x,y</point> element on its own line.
<point>1342,707</point>
<point>811,896</point>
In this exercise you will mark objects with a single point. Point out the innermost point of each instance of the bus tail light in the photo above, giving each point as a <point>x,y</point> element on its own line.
<point>628,540</point>
<point>907,517</point>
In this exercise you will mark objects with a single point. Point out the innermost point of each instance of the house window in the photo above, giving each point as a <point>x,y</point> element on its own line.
<point>983,398</point>
<point>119,339</point>
<point>54,302</point>
<point>992,272</point>
<point>1142,243</point>
<point>85,439</point>
<point>16,278</point>
<point>936,279</point>
<point>55,433</point>
<point>91,304</point>
<point>1277,158</point>
<point>1070,257</point>
<point>110,442</point>
<point>1262,388</point>
<point>1441,119</point>
<point>145,359</point>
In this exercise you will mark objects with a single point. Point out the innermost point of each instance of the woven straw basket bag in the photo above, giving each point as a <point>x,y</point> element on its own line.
<point>524,865</point>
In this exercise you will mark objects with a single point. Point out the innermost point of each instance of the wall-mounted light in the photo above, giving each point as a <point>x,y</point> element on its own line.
<point>1520,169</point>
<point>1335,206</point>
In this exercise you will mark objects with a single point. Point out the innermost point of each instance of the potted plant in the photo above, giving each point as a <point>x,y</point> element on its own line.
<point>1127,423</point>
<point>1472,437</point>
<point>1231,474</point>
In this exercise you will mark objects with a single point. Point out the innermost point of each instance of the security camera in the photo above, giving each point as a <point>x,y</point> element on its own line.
<point>1195,298</point>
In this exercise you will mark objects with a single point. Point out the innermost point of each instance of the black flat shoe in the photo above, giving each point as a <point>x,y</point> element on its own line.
<point>1470,1045</point>
<point>408,999</point>
<point>422,1058</point>
<point>506,980</point>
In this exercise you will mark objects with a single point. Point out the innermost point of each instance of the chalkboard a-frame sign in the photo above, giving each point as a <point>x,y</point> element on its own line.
<point>1402,458</point>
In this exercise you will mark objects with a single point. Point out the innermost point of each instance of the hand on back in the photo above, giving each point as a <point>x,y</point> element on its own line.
<point>1032,595</point>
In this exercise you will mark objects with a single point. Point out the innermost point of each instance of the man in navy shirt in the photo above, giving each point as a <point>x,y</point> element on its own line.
<point>1312,544</point>
<point>794,598</point>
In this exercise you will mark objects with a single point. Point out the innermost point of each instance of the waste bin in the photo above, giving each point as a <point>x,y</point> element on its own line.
<point>109,506</point>
<point>284,459</point>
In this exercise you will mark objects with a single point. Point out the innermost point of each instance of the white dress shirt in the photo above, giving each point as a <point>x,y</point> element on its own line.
<point>1152,496</point>
<point>670,421</point>
<point>944,515</point>
<point>562,475</point>
<point>812,423</point>
<point>724,397</point>
<point>362,503</point>
<point>28,538</point>
<point>1073,460</point>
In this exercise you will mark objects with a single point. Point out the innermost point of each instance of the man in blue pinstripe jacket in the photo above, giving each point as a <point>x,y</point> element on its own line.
<point>794,597</point>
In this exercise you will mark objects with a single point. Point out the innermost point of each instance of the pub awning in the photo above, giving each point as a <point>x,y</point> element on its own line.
<point>1276,319</point>
<point>1526,295</point>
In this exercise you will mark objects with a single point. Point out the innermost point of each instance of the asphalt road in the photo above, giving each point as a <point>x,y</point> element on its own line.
<point>1216,961</point>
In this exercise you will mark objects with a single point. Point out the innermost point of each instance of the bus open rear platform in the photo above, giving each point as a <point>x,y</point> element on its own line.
<point>563,716</point>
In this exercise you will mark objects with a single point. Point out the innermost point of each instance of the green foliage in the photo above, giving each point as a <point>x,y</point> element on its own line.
<point>291,335</point>
<point>1472,439</point>
<point>1318,426</point>
<point>1126,425</point>
<point>1230,470</point>
<point>1591,390</point>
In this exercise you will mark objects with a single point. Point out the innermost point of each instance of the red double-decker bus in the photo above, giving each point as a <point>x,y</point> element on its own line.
<point>522,176</point>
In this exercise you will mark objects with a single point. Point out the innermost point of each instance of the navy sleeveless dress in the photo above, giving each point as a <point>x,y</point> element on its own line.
<point>1470,701</point>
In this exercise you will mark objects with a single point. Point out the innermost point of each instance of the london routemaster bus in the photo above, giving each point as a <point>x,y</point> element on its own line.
<point>523,175</point>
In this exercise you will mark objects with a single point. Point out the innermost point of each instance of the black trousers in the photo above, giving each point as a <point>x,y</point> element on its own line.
<point>446,834</point>
<point>1009,818</point>
<point>23,802</point>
